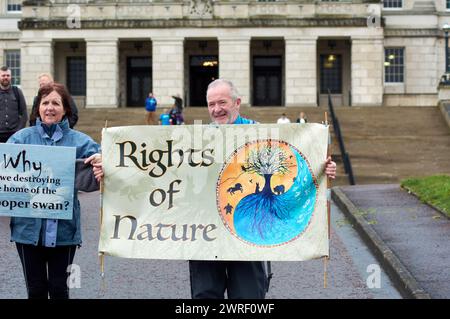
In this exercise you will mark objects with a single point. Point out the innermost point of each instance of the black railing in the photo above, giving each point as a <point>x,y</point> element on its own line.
<point>337,131</point>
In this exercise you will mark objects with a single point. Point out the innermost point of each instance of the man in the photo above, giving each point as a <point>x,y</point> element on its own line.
<point>13,108</point>
<point>283,119</point>
<point>45,79</point>
<point>150,108</point>
<point>241,279</point>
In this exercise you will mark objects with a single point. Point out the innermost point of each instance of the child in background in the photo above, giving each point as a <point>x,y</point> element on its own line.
<point>164,118</point>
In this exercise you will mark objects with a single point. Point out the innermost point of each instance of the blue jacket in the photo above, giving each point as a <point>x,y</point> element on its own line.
<point>243,120</point>
<point>57,232</point>
<point>150,104</point>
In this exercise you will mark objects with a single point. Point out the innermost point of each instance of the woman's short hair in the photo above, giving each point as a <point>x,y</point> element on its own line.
<point>58,88</point>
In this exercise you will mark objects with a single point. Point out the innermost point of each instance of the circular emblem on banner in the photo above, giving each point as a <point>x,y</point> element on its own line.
<point>266,193</point>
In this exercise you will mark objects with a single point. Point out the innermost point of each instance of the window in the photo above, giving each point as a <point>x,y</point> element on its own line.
<point>76,75</point>
<point>12,58</point>
<point>394,65</point>
<point>448,4</point>
<point>392,4</point>
<point>14,5</point>
<point>330,73</point>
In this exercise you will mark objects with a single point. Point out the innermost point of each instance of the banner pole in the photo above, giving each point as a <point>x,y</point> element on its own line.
<point>328,205</point>
<point>102,254</point>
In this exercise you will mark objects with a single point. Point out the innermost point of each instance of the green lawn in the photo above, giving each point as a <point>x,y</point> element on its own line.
<point>434,190</point>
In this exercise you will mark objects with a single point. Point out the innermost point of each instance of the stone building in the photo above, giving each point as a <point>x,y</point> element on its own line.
<point>279,53</point>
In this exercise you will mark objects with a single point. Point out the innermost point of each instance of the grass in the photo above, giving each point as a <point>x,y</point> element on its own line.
<point>433,190</point>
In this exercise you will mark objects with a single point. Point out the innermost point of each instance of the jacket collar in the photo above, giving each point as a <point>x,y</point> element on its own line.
<point>61,127</point>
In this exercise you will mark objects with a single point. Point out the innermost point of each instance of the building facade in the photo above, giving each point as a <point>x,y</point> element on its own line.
<point>278,53</point>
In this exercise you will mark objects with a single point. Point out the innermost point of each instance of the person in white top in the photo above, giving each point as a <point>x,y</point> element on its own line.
<point>302,118</point>
<point>283,119</point>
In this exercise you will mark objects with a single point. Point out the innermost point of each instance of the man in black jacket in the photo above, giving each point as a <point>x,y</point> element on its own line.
<point>44,79</point>
<point>13,108</point>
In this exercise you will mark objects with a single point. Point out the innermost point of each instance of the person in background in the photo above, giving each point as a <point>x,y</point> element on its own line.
<point>240,279</point>
<point>283,119</point>
<point>176,116</point>
<point>44,79</point>
<point>164,118</point>
<point>46,247</point>
<point>176,113</point>
<point>13,107</point>
<point>150,108</point>
<point>178,102</point>
<point>302,118</point>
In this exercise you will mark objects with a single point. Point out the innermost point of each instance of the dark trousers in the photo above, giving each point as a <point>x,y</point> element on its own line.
<point>241,279</point>
<point>5,136</point>
<point>45,270</point>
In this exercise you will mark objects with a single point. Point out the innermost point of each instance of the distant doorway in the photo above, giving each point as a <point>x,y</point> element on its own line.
<point>203,69</point>
<point>139,80</point>
<point>334,71</point>
<point>331,77</point>
<point>267,73</point>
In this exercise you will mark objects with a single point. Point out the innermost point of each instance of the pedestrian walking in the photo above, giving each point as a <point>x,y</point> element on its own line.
<point>150,108</point>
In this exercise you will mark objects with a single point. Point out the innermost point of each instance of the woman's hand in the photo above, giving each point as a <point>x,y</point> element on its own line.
<point>97,167</point>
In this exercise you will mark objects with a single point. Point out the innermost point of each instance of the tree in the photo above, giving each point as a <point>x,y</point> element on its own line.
<point>267,161</point>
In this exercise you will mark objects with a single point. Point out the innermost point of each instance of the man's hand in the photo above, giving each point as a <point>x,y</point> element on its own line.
<point>330,168</point>
<point>97,167</point>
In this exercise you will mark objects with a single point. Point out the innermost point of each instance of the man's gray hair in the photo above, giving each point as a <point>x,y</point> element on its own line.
<point>4,68</point>
<point>233,91</point>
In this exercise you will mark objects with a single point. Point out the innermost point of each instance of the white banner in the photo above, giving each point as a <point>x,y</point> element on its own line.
<point>205,192</point>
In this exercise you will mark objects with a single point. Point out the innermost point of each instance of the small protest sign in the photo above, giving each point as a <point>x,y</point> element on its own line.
<point>36,181</point>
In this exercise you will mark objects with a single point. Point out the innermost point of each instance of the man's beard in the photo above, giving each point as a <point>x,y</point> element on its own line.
<point>5,83</point>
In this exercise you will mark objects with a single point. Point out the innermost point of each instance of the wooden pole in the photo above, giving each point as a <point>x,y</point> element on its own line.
<point>328,204</point>
<point>102,254</point>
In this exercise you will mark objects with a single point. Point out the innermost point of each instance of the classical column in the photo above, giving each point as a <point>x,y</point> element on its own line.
<point>301,73</point>
<point>168,69</point>
<point>234,64</point>
<point>367,71</point>
<point>36,57</point>
<point>102,73</point>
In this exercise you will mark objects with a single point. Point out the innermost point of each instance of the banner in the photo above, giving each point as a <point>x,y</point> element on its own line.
<point>206,192</point>
<point>36,181</point>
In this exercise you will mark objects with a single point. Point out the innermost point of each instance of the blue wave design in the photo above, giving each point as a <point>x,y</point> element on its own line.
<point>270,219</point>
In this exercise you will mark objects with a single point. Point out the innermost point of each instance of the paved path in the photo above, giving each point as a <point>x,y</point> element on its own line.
<point>411,237</point>
<point>134,278</point>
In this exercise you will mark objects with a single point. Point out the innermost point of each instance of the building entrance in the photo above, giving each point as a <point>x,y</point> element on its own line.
<point>203,69</point>
<point>267,74</point>
<point>139,80</point>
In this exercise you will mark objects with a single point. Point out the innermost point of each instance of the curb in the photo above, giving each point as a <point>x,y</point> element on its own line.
<point>404,280</point>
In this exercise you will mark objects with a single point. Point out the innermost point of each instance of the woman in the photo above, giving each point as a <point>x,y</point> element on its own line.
<point>46,247</point>
<point>302,118</point>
